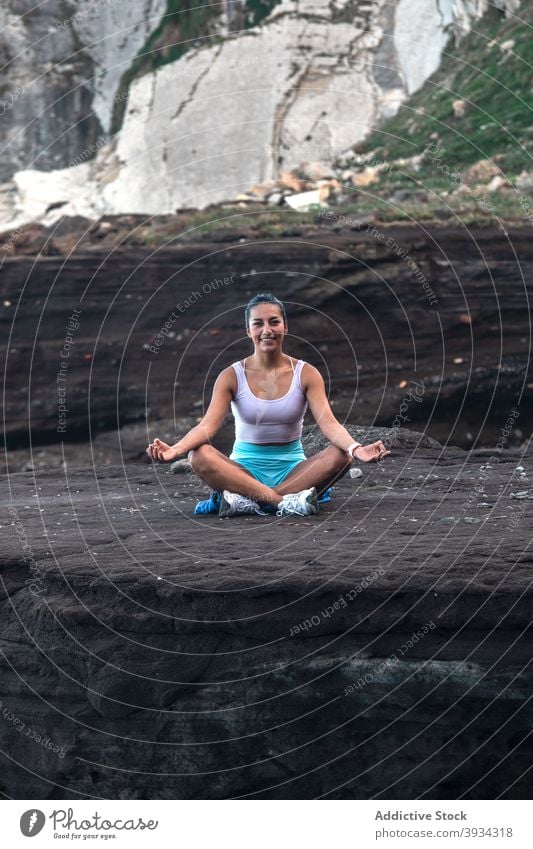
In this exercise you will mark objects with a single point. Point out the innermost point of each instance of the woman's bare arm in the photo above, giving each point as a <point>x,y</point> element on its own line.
<point>207,428</point>
<point>315,390</point>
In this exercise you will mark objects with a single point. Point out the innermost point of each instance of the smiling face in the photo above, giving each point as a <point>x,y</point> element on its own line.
<point>266,327</point>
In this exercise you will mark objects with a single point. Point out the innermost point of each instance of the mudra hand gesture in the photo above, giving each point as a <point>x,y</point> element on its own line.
<point>376,451</point>
<point>159,450</point>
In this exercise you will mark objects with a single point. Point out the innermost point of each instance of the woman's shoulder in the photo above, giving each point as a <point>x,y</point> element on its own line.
<point>309,374</point>
<point>228,378</point>
<point>307,368</point>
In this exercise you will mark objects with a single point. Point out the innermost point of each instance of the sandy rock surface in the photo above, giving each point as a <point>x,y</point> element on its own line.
<point>378,648</point>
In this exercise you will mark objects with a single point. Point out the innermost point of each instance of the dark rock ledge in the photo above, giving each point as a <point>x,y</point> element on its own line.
<point>157,655</point>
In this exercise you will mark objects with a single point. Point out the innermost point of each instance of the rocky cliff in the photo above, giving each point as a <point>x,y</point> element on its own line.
<point>305,85</point>
<point>62,63</point>
<point>379,649</point>
<point>379,309</point>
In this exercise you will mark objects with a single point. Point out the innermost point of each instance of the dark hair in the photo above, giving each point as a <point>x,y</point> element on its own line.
<point>263,298</point>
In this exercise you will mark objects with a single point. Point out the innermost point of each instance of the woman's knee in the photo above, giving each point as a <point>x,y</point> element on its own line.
<point>202,457</point>
<point>339,458</point>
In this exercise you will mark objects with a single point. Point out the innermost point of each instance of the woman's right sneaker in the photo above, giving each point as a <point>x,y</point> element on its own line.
<point>233,504</point>
<point>304,503</point>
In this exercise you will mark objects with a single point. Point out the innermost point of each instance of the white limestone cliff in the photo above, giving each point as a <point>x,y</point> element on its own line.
<point>306,85</point>
<point>61,65</point>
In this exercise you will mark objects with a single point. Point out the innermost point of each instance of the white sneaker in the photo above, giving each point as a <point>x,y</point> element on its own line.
<point>304,503</point>
<point>233,504</point>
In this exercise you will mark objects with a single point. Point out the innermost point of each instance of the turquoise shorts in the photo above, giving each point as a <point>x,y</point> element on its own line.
<point>269,464</point>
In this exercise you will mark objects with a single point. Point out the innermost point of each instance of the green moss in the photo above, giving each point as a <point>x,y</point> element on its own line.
<point>497,87</point>
<point>257,11</point>
<point>188,18</point>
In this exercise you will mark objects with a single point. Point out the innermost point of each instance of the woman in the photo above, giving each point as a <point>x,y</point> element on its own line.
<point>268,393</point>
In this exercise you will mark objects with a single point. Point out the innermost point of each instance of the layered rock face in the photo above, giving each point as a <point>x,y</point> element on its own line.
<point>306,85</point>
<point>156,325</point>
<point>62,63</point>
<point>379,649</point>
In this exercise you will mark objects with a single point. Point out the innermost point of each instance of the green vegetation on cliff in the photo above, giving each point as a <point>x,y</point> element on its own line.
<point>491,72</point>
<point>257,10</point>
<point>477,106</point>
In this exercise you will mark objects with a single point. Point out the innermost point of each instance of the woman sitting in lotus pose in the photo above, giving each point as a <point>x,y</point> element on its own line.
<point>268,393</point>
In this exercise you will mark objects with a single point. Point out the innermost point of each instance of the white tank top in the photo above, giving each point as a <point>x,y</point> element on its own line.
<point>259,420</point>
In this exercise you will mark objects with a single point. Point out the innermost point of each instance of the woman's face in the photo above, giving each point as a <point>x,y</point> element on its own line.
<point>266,327</point>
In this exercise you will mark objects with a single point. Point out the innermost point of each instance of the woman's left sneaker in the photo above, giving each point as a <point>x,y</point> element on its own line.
<point>304,503</point>
<point>233,504</point>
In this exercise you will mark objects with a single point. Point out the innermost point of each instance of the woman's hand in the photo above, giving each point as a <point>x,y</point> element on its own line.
<point>374,452</point>
<point>158,450</point>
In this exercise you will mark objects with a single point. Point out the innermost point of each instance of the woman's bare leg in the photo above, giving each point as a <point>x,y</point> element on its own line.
<point>219,472</point>
<point>321,470</point>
